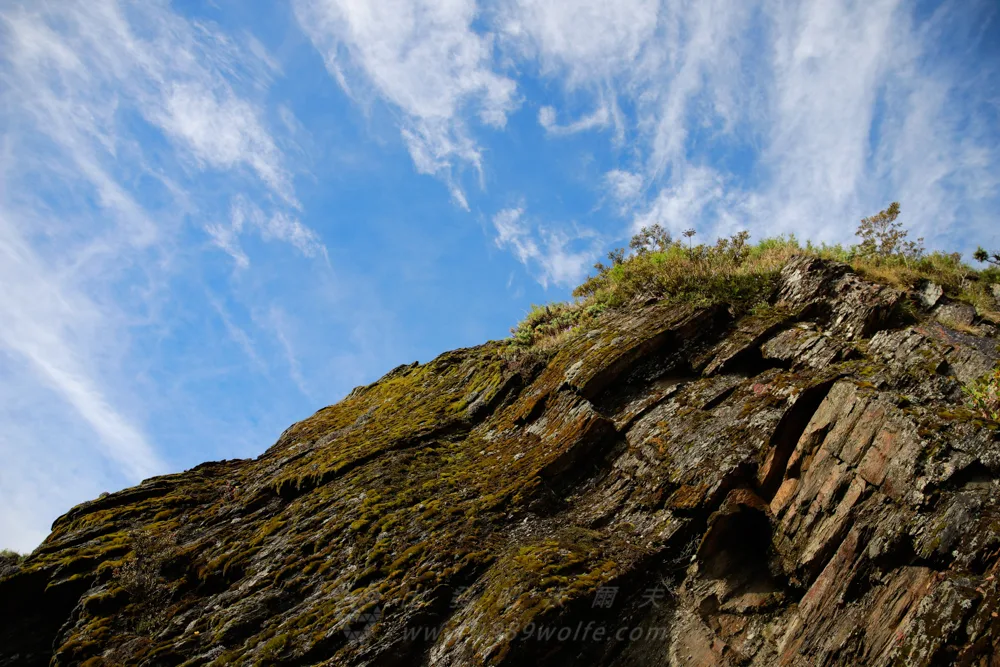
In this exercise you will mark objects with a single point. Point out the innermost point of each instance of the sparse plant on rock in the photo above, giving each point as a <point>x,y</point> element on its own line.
<point>544,321</point>
<point>657,267</point>
<point>10,561</point>
<point>984,394</point>
<point>141,573</point>
<point>616,257</point>
<point>523,359</point>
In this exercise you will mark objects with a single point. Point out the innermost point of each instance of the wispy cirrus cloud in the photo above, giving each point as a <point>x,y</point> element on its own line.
<point>222,131</point>
<point>776,116</point>
<point>624,186</point>
<point>424,59</point>
<point>784,116</point>
<point>579,42</point>
<point>112,112</point>
<point>600,118</point>
<point>50,325</point>
<point>155,239</point>
<point>559,256</point>
<point>246,216</point>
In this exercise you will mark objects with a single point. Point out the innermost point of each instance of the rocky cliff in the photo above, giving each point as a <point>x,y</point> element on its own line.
<point>673,485</point>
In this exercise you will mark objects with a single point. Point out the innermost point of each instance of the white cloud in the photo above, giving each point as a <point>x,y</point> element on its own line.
<point>829,110</point>
<point>700,198</point>
<point>224,133</point>
<point>583,40</point>
<point>282,227</point>
<point>691,78</point>
<point>278,226</point>
<point>237,334</point>
<point>682,205</point>
<point>513,232</point>
<point>555,253</point>
<point>52,326</point>
<point>778,116</point>
<point>276,321</point>
<point>829,62</point>
<point>227,238</point>
<point>423,58</point>
<point>598,119</point>
<point>624,186</point>
<point>175,77</point>
<point>262,55</point>
<point>111,114</point>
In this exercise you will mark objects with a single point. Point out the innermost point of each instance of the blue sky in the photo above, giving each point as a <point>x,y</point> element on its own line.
<point>216,218</point>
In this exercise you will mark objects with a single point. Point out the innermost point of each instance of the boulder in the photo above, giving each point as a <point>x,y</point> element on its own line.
<point>929,294</point>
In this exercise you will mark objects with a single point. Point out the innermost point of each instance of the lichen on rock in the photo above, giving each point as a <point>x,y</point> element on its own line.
<point>667,484</point>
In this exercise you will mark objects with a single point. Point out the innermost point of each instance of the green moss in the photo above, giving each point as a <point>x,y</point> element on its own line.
<point>274,646</point>
<point>743,277</point>
<point>409,486</point>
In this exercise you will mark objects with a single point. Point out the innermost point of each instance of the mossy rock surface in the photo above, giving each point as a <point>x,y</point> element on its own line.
<point>692,483</point>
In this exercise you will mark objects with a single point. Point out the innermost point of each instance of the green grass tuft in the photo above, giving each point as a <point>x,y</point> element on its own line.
<point>742,276</point>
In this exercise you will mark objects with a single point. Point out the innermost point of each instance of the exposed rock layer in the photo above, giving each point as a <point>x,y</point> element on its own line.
<point>799,487</point>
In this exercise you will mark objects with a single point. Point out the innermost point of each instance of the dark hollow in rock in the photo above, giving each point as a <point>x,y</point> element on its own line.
<point>803,485</point>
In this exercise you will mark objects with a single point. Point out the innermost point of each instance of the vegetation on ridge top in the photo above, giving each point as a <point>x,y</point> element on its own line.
<point>743,275</point>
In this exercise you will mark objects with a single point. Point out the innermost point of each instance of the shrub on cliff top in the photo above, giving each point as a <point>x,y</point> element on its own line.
<point>730,271</point>
<point>743,275</point>
<point>883,237</point>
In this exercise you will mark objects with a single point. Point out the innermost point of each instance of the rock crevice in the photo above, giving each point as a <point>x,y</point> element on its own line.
<point>666,486</point>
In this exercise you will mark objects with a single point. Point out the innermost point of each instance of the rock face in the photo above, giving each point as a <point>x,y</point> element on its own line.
<point>802,486</point>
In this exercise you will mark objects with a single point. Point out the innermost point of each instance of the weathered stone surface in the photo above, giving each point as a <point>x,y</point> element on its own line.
<point>961,314</point>
<point>805,345</point>
<point>849,306</point>
<point>931,352</point>
<point>929,294</point>
<point>803,486</point>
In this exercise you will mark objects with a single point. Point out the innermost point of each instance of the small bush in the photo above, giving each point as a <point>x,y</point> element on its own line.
<point>10,562</point>
<point>946,269</point>
<point>730,271</point>
<point>984,395</point>
<point>984,257</point>
<point>651,239</point>
<point>141,573</point>
<point>524,360</point>
<point>884,237</point>
<point>744,275</point>
<point>545,321</point>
